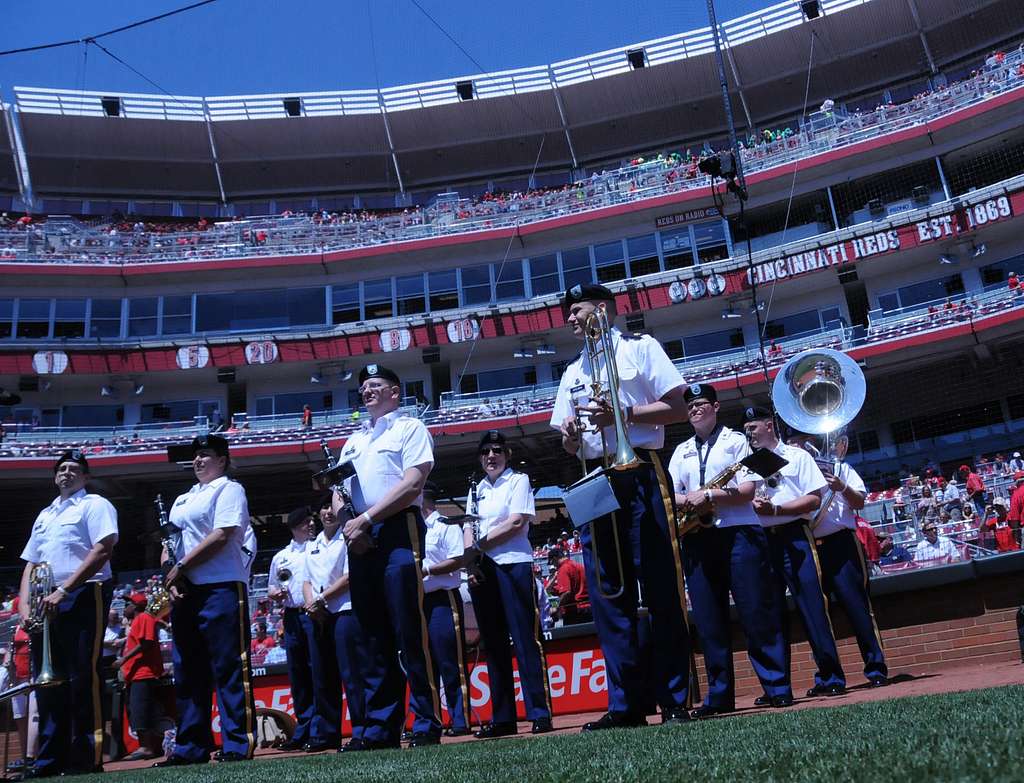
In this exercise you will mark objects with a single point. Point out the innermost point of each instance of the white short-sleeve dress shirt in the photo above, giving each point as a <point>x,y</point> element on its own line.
<point>799,477</point>
<point>66,530</point>
<point>326,563</point>
<point>510,494</point>
<point>204,508</point>
<point>292,559</point>
<point>724,447</point>
<point>443,542</point>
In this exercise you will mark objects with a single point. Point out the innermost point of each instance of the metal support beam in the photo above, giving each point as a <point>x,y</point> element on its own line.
<point>20,158</point>
<point>213,153</point>
<point>391,143</point>
<point>942,178</point>
<point>739,84</point>
<point>912,5</point>
<point>565,122</point>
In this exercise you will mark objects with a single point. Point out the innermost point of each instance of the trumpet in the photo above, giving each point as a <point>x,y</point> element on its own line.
<point>283,575</point>
<point>40,585</point>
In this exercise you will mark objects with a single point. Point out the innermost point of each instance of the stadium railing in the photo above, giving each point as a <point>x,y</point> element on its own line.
<point>298,235</point>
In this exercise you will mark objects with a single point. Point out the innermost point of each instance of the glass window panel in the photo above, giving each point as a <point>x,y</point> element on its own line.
<point>377,298</point>
<point>105,318</point>
<point>713,342</point>
<point>710,239</point>
<point>608,253</point>
<point>675,245</point>
<point>576,267</point>
<point>929,291</point>
<point>179,410</point>
<point>6,317</point>
<point>177,315</point>
<point>69,318</point>
<point>345,304</point>
<point>996,274</point>
<point>508,378</point>
<point>508,281</point>
<point>889,302</point>
<point>444,290</point>
<point>93,415</point>
<point>254,310</point>
<point>410,295</point>
<point>643,255</point>
<point>789,325</point>
<point>476,285</point>
<point>544,275</point>
<point>142,317</point>
<point>33,318</point>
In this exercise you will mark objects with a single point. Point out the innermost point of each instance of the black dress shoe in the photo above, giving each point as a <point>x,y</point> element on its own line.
<point>779,702</point>
<point>615,720</point>
<point>542,726</point>
<point>406,736</point>
<point>225,758</point>
<point>676,716</point>
<point>708,711</point>
<point>178,761</point>
<point>492,730</point>
<point>451,731</point>
<point>319,747</point>
<point>357,744</point>
<point>763,701</point>
<point>878,681</point>
<point>826,690</point>
<point>291,746</point>
<point>423,739</point>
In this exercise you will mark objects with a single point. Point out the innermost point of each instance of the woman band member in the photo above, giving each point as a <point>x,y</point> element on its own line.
<point>210,614</point>
<point>504,599</point>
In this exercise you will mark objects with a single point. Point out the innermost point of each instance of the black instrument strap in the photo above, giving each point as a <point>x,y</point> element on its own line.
<point>704,456</point>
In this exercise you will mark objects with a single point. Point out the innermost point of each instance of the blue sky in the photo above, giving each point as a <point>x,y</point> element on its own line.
<point>238,47</point>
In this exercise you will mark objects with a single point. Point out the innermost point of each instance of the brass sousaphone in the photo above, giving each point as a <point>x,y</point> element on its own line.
<point>819,392</point>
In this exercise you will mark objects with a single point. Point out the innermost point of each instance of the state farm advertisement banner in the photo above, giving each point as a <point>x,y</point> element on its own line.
<point>576,674</point>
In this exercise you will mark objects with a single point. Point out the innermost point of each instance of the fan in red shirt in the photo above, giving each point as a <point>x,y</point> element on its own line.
<point>261,642</point>
<point>1005,540</point>
<point>142,666</point>
<point>866,535</point>
<point>975,489</point>
<point>568,582</point>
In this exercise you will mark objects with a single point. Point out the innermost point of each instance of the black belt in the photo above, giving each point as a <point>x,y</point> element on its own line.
<point>599,463</point>
<point>777,528</point>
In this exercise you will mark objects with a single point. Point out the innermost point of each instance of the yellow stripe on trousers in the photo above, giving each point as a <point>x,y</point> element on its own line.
<point>97,642</point>
<point>821,586</point>
<point>414,542</point>
<point>463,681</point>
<point>250,704</point>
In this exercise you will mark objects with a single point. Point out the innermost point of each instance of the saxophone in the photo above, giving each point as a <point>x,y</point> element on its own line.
<point>692,519</point>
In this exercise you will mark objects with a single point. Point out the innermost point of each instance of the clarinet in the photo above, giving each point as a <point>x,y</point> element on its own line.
<point>339,487</point>
<point>170,535</point>
<point>472,505</point>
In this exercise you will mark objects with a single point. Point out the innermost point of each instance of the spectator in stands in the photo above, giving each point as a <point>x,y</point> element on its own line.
<point>927,506</point>
<point>1016,463</point>
<point>1016,515</point>
<point>1000,528</point>
<point>952,502</point>
<point>934,547</point>
<point>1012,283</point>
<point>142,666</point>
<point>974,487</point>
<point>17,661</point>
<point>261,642</point>
<point>889,553</point>
<point>868,538</point>
<point>568,582</point>
<point>307,417</point>
<point>113,639</point>
<point>575,544</point>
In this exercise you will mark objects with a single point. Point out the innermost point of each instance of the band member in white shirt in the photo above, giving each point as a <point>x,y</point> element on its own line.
<point>392,455</point>
<point>210,612</point>
<point>284,587</point>
<point>785,504</point>
<point>446,622</point>
<point>504,598</point>
<point>75,535</point>
<point>844,568</point>
<point>333,635</point>
<point>727,554</point>
<point>651,393</point>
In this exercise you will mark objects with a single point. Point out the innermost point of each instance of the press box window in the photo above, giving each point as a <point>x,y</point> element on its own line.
<point>142,317</point>
<point>544,275</point>
<point>476,285</point>
<point>345,304</point>
<point>508,281</point>
<point>69,318</point>
<point>444,290</point>
<point>377,299</point>
<point>6,317</point>
<point>177,315</point>
<point>643,255</point>
<point>410,295</point>
<point>576,267</point>
<point>677,248</point>
<point>609,261</point>
<point>105,318</point>
<point>33,318</point>
<point>710,240</point>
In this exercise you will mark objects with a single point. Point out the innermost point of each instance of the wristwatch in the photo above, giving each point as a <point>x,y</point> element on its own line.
<point>61,589</point>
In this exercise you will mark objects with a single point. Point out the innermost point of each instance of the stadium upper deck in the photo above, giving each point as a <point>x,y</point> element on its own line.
<point>586,111</point>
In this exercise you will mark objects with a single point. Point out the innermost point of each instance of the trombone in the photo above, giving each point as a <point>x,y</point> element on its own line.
<point>40,585</point>
<point>597,343</point>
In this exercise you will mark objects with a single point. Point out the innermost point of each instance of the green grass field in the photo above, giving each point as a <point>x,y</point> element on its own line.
<point>973,736</point>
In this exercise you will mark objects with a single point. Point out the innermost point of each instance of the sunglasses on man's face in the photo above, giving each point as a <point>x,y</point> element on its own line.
<point>486,450</point>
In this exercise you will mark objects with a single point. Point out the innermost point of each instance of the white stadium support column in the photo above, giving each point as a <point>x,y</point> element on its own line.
<point>213,153</point>
<point>561,114</point>
<point>20,158</point>
<point>391,143</point>
<point>912,5</point>
<point>736,78</point>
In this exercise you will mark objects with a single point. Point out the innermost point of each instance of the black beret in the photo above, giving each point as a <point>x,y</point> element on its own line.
<point>72,455</point>
<point>299,516</point>
<point>592,292</point>
<point>756,413</point>
<point>700,390</point>
<point>215,443</point>
<point>431,490</point>
<point>492,437</point>
<point>377,371</point>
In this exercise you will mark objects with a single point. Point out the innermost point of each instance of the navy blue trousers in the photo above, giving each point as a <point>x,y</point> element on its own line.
<point>795,564</point>
<point>70,717</point>
<point>446,628</point>
<point>735,559</point>
<point>325,726</point>
<point>300,672</point>
<point>387,600</point>
<point>348,640</point>
<point>505,603</point>
<point>845,575</point>
<point>210,624</point>
<point>651,555</point>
